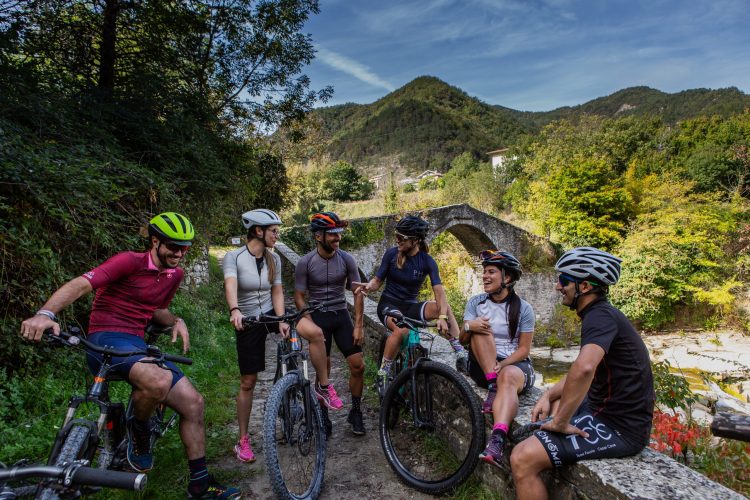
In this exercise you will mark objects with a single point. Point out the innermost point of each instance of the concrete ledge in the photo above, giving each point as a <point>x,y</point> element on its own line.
<point>648,475</point>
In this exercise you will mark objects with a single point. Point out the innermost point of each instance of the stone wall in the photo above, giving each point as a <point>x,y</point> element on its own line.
<point>648,475</point>
<point>196,273</point>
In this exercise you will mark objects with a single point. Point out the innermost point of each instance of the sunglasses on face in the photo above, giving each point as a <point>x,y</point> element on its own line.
<point>566,280</point>
<point>274,232</point>
<point>402,237</point>
<point>175,248</point>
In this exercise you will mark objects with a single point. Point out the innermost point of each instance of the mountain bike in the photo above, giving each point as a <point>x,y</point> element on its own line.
<point>431,425</point>
<point>294,441</point>
<point>102,442</point>
<point>75,477</point>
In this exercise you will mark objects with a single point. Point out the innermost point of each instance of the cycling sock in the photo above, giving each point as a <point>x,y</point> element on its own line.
<point>198,475</point>
<point>457,347</point>
<point>356,400</point>
<point>491,377</point>
<point>501,427</point>
<point>386,364</point>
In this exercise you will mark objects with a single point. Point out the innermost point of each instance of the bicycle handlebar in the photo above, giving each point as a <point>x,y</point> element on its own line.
<point>406,322</point>
<point>78,475</point>
<point>72,339</point>
<point>292,317</point>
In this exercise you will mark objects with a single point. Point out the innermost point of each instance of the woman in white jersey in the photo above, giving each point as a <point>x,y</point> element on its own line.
<point>252,285</point>
<point>499,326</point>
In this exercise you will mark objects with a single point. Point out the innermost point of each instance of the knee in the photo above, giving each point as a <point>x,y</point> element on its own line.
<point>247,386</point>
<point>357,368</point>
<point>159,387</point>
<point>523,461</point>
<point>315,336</point>
<point>195,404</point>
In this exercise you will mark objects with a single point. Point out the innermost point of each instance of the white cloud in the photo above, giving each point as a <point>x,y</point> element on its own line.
<point>352,67</point>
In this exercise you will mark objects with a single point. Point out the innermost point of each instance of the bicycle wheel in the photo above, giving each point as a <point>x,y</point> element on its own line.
<point>431,428</point>
<point>294,439</point>
<point>74,447</point>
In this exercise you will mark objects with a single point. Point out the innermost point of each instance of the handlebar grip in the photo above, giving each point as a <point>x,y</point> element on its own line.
<point>178,359</point>
<point>110,478</point>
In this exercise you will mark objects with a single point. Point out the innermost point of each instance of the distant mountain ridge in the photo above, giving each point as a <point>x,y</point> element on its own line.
<point>427,122</point>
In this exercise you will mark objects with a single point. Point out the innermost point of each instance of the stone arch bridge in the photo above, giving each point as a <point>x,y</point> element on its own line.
<point>474,229</point>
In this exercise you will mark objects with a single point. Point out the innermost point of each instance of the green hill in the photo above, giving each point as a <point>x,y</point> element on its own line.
<point>427,122</point>
<point>424,124</point>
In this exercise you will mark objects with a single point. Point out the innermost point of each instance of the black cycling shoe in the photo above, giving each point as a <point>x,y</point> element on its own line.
<point>358,426</point>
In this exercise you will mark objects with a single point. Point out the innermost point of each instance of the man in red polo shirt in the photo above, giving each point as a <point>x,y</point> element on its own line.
<point>131,289</point>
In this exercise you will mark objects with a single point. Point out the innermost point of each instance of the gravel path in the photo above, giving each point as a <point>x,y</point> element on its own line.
<point>355,466</point>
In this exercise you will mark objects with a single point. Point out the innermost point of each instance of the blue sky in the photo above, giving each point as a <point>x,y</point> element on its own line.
<point>533,55</point>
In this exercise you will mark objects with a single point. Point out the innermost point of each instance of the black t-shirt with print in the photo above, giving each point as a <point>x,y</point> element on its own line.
<point>622,392</point>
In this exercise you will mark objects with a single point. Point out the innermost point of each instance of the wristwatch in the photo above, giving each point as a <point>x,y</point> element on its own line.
<point>466,326</point>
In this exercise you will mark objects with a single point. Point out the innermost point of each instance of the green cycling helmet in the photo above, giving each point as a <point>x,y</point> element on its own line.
<point>172,227</point>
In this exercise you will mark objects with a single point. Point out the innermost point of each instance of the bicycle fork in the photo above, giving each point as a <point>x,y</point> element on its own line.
<point>421,401</point>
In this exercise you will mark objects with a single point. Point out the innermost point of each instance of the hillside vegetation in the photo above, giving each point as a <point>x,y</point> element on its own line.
<point>426,123</point>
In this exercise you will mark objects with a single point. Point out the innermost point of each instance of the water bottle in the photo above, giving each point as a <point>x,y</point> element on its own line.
<point>294,339</point>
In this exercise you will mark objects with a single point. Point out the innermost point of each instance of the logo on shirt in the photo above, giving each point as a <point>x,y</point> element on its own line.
<point>417,274</point>
<point>89,275</point>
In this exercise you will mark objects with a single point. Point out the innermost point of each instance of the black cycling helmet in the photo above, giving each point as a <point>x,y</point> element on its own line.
<point>172,227</point>
<point>503,260</point>
<point>327,222</point>
<point>413,227</point>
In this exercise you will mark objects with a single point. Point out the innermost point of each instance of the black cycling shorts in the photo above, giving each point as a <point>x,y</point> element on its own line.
<point>337,325</point>
<point>478,376</point>
<point>251,346</point>
<point>603,441</point>
<point>414,310</point>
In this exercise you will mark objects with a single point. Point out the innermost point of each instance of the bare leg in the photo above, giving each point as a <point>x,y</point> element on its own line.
<point>356,374</point>
<point>527,460</point>
<point>431,311</point>
<point>483,347</point>
<point>509,384</point>
<point>151,385</point>
<point>314,335</point>
<point>393,342</point>
<point>188,403</point>
<point>245,401</point>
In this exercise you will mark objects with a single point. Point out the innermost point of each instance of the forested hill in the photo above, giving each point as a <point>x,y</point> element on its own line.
<point>427,122</point>
<point>424,124</point>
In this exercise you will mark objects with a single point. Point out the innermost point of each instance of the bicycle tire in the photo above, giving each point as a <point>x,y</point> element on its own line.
<point>295,458</point>
<point>422,457</point>
<point>74,448</point>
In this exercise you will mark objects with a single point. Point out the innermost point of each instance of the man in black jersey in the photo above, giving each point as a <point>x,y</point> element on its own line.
<point>604,405</point>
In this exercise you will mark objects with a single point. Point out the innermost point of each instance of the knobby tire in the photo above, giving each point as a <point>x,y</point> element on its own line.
<point>296,469</point>
<point>74,448</point>
<point>440,457</point>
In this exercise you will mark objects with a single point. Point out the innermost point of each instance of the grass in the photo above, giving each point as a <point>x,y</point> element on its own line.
<point>34,406</point>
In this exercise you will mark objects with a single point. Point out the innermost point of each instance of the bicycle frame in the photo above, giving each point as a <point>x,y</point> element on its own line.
<point>416,353</point>
<point>287,361</point>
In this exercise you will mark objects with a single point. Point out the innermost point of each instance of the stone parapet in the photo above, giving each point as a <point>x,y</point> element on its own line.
<point>648,475</point>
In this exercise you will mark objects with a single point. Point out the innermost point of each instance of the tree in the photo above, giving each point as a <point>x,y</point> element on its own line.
<point>342,182</point>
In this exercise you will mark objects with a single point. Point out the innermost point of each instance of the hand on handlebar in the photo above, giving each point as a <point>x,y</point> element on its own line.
<point>284,329</point>
<point>236,319</point>
<point>442,326</point>
<point>33,328</point>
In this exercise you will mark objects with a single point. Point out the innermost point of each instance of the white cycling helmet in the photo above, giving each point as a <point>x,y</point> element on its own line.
<point>589,262</point>
<point>260,217</point>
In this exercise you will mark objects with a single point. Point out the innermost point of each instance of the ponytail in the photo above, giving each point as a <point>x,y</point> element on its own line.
<point>513,312</point>
<point>271,263</point>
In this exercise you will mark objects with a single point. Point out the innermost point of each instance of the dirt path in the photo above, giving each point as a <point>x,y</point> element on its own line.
<point>355,466</point>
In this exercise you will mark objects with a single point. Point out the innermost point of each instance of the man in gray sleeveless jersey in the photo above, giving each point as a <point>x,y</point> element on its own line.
<point>323,275</point>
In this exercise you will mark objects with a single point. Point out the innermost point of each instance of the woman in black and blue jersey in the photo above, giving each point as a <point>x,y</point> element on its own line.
<point>404,269</point>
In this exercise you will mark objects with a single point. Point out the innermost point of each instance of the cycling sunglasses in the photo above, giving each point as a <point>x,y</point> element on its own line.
<point>402,237</point>
<point>566,280</point>
<point>176,248</point>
